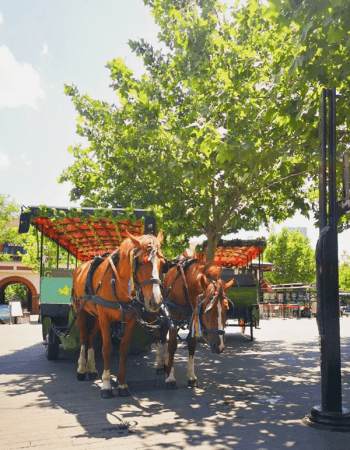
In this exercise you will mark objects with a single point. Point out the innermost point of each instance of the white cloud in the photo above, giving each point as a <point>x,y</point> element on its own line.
<point>23,155</point>
<point>1,18</point>
<point>45,50</point>
<point>4,160</point>
<point>19,82</point>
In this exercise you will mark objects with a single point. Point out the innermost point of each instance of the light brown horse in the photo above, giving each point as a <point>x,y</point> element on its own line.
<point>116,291</point>
<point>196,296</point>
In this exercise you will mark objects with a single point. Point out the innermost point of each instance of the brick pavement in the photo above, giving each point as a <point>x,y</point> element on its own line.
<point>253,396</point>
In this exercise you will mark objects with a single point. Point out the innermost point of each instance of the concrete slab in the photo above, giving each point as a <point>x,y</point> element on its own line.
<point>253,396</point>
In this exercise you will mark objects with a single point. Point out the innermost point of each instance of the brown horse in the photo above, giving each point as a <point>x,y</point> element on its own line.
<point>195,296</point>
<point>116,289</point>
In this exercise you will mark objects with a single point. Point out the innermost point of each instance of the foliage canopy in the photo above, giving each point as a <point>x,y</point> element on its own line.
<point>321,57</point>
<point>344,274</point>
<point>292,252</point>
<point>215,136</point>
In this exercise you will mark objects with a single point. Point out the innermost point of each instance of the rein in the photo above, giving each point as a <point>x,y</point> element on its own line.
<point>193,319</point>
<point>138,295</point>
<point>132,307</point>
<point>197,326</point>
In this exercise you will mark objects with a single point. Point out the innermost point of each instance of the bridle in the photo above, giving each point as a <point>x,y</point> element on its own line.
<point>199,311</point>
<point>135,288</point>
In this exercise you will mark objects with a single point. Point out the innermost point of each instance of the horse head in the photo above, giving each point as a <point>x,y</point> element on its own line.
<point>214,307</point>
<point>146,265</point>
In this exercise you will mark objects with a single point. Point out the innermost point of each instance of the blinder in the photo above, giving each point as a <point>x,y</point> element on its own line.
<point>135,286</point>
<point>198,314</point>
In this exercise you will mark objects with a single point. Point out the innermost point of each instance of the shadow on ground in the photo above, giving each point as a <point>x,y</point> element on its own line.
<point>256,392</point>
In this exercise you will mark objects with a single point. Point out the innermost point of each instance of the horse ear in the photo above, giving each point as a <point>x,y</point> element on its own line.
<point>135,239</point>
<point>229,284</point>
<point>160,237</point>
<point>202,282</point>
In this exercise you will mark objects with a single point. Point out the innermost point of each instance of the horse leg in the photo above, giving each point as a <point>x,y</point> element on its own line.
<point>123,389</point>
<point>162,358</point>
<point>165,347</point>
<point>106,390</point>
<point>81,322</point>
<point>191,377</point>
<point>91,365</point>
<point>159,357</point>
<point>170,381</point>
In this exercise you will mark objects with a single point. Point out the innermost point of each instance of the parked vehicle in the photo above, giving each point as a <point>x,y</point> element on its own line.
<point>346,311</point>
<point>83,233</point>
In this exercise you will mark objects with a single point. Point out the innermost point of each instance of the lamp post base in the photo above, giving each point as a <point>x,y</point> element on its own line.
<point>331,421</point>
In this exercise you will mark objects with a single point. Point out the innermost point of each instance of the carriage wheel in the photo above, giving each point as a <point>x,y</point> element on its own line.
<point>52,345</point>
<point>241,322</point>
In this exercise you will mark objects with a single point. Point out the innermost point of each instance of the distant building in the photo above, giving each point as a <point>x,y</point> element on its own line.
<point>303,230</point>
<point>14,272</point>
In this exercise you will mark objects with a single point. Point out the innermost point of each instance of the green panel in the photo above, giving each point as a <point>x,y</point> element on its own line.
<point>46,323</point>
<point>243,296</point>
<point>56,290</point>
<point>72,341</point>
<point>255,313</point>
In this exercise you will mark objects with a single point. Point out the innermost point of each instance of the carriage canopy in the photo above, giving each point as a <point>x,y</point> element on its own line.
<point>234,253</point>
<point>86,232</point>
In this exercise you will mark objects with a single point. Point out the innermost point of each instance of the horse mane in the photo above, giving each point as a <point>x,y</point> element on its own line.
<point>127,245</point>
<point>219,288</point>
<point>212,272</point>
<point>144,243</point>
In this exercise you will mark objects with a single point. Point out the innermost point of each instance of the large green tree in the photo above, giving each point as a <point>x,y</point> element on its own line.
<point>213,136</point>
<point>31,243</point>
<point>344,273</point>
<point>292,252</point>
<point>320,59</point>
<point>9,211</point>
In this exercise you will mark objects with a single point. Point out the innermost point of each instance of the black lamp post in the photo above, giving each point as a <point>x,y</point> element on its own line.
<point>330,414</point>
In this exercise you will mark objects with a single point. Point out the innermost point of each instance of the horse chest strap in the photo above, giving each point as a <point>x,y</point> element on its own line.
<point>96,300</point>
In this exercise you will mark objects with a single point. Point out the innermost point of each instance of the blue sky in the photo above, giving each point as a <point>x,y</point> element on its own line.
<point>44,44</point>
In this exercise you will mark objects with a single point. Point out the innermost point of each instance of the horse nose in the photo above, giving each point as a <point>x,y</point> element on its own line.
<point>153,304</point>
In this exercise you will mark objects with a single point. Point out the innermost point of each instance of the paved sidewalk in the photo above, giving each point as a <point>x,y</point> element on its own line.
<point>253,396</point>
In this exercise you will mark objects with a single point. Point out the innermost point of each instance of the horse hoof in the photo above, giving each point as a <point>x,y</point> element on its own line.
<point>81,376</point>
<point>192,383</point>
<point>123,392</point>
<point>159,371</point>
<point>106,393</point>
<point>171,385</point>
<point>93,375</point>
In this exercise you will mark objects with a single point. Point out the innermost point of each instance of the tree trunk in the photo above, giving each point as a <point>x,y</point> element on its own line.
<point>212,239</point>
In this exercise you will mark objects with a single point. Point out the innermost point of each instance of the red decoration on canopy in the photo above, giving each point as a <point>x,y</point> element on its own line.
<point>233,256</point>
<point>85,239</point>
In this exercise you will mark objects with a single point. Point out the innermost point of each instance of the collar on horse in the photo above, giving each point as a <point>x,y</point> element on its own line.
<point>193,316</point>
<point>131,307</point>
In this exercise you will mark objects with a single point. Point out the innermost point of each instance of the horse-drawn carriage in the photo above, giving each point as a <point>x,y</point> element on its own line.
<point>120,281</point>
<point>82,234</point>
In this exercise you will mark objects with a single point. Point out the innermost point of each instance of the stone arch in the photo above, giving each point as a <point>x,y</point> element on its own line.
<point>33,297</point>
